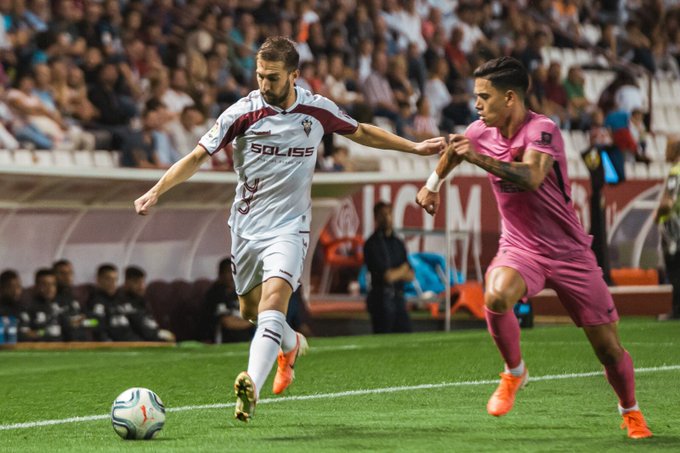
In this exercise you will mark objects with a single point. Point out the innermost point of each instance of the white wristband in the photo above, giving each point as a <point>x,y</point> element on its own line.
<point>434,182</point>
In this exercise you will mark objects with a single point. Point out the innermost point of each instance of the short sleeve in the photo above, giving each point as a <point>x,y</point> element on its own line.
<point>218,135</point>
<point>544,136</point>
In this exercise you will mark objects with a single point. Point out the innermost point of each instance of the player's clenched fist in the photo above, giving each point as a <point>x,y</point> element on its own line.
<point>461,145</point>
<point>428,200</point>
<point>143,203</point>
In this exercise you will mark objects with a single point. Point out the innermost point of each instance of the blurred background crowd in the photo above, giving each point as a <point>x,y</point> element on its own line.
<point>147,77</point>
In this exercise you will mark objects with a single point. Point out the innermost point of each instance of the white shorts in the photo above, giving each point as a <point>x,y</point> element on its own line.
<point>255,261</point>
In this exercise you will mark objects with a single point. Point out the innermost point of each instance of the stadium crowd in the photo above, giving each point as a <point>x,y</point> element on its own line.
<point>147,76</point>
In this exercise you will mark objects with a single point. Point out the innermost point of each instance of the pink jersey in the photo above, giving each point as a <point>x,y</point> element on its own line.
<point>543,221</point>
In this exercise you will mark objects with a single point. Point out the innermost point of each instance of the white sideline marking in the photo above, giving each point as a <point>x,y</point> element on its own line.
<point>549,377</point>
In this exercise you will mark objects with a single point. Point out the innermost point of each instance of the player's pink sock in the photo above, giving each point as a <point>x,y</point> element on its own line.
<point>621,376</point>
<point>504,329</point>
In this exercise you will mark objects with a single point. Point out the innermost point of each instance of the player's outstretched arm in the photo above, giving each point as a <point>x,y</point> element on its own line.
<point>178,173</point>
<point>375,137</point>
<point>428,195</point>
<point>528,174</point>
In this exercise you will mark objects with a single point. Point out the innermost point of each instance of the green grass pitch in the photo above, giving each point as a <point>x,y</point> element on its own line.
<point>417,392</point>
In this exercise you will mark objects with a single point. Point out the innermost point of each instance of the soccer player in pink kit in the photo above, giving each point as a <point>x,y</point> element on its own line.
<point>275,132</point>
<point>542,243</point>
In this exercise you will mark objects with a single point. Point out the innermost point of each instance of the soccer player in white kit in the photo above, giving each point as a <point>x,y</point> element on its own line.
<point>275,133</point>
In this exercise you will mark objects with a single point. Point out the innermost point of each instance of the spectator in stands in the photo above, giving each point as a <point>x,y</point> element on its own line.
<point>668,217</point>
<point>133,297</point>
<point>473,37</point>
<point>556,94</point>
<point>600,135</point>
<point>619,122</point>
<point>220,75</point>
<point>338,160</point>
<point>221,320</point>
<point>44,126</point>
<point>531,57</point>
<point>11,306</point>
<point>580,108</point>
<point>455,54</point>
<point>422,126</point>
<point>538,99</point>
<point>7,123</point>
<point>74,318</point>
<point>114,109</point>
<point>364,59</point>
<point>437,92</point>
<point>185,132</point>
<point>244,40</point>
<point>404,92</point>
<point>386,259</point>
<point>379,94</point>
<point>337,88</point>
<point>622,93</point>
<point>639,47</point>
<point>145,152</point>
<point>638,130</point>
<point>44,311</point>
<point>74,137</point>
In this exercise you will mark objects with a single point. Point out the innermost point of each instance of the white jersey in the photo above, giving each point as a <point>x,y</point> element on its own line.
<point>274,157</point>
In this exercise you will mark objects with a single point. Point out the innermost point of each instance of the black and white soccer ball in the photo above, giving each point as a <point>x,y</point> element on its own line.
<point>137,413</point>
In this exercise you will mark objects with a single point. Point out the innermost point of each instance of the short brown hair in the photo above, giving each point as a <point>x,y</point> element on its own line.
<point>280,48</point>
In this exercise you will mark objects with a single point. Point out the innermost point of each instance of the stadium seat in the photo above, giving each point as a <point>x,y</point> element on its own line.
<point>177,307</point>
<point>103,158</point>
<point>160,295</point>
<point>656,170</point>
<point>83,159</point>
<point>23,157</point>
<point>43,158</point>
<point>580,140</point>
<point>6,157</point>
<point>633,276</point>
<point>344,252</point>
<point>62,158</point>
<point>471,298</point>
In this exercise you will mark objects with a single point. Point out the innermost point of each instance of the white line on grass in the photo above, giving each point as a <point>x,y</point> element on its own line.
<point>549,377</point>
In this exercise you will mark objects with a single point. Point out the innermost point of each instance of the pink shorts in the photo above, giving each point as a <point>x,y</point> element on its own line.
<point>577,280</point>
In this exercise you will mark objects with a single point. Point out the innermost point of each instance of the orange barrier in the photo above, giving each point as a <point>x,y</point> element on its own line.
<point>633,277</point>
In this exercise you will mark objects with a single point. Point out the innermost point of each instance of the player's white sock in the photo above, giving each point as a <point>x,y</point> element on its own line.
<point>517,371</point>
<point>265,346</point>
<point>289,339</point>
<point>628,409</point>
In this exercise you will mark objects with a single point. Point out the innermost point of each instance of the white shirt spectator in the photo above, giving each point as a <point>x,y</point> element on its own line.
<point>439,97</point>
<point>175,101</point>
<point>629,98</point>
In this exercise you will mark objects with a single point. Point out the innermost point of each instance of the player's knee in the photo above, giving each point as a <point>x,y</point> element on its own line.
<point>274,301</point>
<point>248,313</point>
<point>497,302</point>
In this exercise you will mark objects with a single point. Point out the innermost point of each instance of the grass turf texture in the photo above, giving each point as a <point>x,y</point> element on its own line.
<point>566,414</point>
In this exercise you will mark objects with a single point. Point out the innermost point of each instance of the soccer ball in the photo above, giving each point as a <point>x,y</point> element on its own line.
<point>137,413</point>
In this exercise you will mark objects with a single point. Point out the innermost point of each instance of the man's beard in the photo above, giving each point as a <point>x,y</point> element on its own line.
<point>278,100</point>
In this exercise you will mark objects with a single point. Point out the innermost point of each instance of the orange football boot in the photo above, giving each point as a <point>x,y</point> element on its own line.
<point>503,398</point>
<point>285,372</point>
<point>636,425</point>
